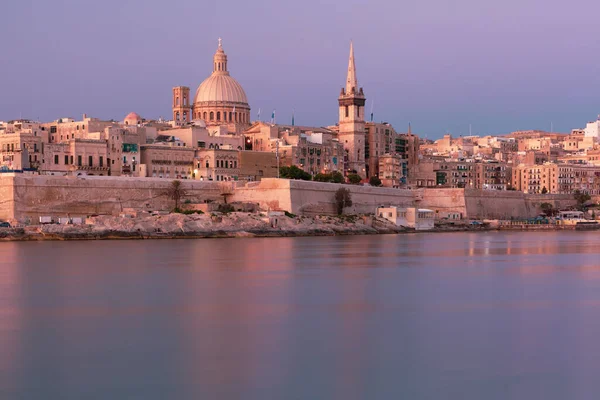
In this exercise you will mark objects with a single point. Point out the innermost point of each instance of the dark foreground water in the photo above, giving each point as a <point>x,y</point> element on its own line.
<point>432,316</point>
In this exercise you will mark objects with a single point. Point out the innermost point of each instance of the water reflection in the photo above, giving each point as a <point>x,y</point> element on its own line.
<point>461,315</point>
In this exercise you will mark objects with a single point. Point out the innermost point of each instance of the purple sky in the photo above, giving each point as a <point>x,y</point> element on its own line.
<point>501,66</point>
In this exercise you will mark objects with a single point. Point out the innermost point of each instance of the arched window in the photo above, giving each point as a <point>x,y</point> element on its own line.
<point>207,164</point>
<point>218,115</point>
<point>177,101</point>
<point>212,116</point>
<point>184,101</point>
<point>229,116</point>
<point>205,115</point>
<point>347,112</point>
<point>235,117</point>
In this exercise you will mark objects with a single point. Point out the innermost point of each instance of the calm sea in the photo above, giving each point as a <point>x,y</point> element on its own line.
<point>429,316</point>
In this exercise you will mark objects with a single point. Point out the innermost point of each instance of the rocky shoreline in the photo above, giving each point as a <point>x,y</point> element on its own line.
<point>216,225</point>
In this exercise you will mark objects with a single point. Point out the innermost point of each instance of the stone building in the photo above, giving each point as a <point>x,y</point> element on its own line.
<point>217,164</point>
<point>557,178</point>
<point>313,149</point>
<point>392,170</point>
<point>76,157</point>
<point>167,161</point>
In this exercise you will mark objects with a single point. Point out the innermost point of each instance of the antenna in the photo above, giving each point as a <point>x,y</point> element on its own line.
<point>469,129</point>
<point>551,127</point>
<point>372,106</point>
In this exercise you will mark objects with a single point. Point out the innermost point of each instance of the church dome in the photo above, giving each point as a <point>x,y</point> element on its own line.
<point>220,87</point>
<point>132,119</point>
<point>220,99</point>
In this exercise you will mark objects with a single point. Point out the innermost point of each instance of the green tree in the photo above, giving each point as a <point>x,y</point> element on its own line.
<point>544,190</point>
<point>548,209</point>
<point>354,179</point>
<point>294,172</point>
<point>342,199</point>
<point>581,199</point>
<point>374,181</point>
<point>175,192</point>
<point>337,177</point>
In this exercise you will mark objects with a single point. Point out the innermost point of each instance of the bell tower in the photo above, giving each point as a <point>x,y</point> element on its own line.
<point>352,120</point>
<point>182,109</point>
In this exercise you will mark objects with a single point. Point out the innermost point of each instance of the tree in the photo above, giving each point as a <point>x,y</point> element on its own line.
<point>548,209</point>
<point>337,177</point>
<point>354,179</point>
<point>374,181</point>
<point>544,190</point>
<point>342,199</point>
<point>175,192</point>
<point>581,199</point>
<point>294,172</point>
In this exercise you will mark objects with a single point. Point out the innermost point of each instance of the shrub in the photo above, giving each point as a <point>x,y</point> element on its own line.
<point>225,208</point>
<point>342,199</point>
<point>294,172</point>
<point>322,177</point>
<point>337,177</point>
<point>354,179</point>
<point>289,214</point>
<point>374,181</point>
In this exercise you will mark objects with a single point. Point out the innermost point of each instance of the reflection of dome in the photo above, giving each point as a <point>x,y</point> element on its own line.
<point>132,119</point>
<point>220,87</point>
<point>220,99</point>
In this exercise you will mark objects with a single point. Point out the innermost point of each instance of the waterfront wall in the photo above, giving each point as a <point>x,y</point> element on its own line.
<point>40,195</point>
<point>26,197</point>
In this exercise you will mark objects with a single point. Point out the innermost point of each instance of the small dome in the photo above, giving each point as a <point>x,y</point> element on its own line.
<point>199,122</point>
<point>220,87</point>
<point>132,119</point>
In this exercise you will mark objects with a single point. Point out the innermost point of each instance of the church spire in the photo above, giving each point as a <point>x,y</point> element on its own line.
<point>351,81</point>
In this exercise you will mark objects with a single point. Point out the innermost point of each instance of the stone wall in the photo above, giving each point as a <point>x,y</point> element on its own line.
<point>306,197</point>
<point>27,197</point>
<point>40,195</point>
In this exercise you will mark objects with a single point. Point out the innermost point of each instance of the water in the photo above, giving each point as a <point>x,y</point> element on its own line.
<point>432,316</point>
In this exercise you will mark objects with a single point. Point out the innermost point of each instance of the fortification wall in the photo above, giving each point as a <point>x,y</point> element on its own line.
<point>27,197</point>
<point>7,201</point>
<point>39,195</point>
<point>306,197</point>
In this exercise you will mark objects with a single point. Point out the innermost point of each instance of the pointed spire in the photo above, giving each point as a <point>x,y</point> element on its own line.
<point>351,81</point>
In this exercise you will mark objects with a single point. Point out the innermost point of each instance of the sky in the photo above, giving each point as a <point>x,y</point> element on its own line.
<point>441,65</point>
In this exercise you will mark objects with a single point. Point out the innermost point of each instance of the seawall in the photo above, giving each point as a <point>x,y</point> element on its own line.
<point>27,197</point>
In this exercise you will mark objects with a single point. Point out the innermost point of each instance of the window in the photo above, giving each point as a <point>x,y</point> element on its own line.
<point>56,159</point>
<point>66,160</point>
<point>347,112</point>
<point>212,116</point>
<point>201,144</point>
<point>101,161</point>
<point>79,161</point>
<point>218,115</point>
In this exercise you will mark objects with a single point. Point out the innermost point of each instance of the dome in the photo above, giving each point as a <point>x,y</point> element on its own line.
<point>220,87</point>
<point>132,119</point>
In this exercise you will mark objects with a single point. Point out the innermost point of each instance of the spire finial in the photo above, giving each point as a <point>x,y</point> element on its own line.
<point>351,81</point>
<point>220,43</point>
